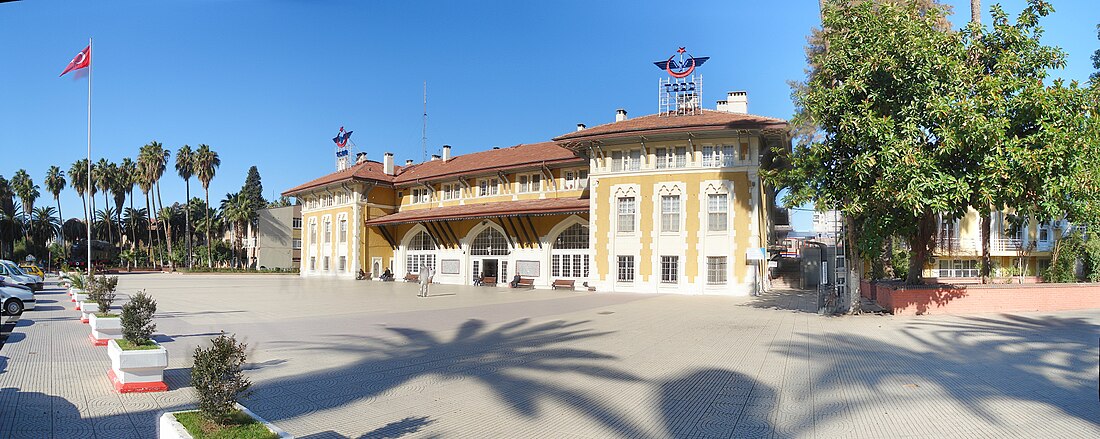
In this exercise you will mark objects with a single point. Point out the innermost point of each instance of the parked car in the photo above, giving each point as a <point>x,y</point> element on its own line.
<point>30,268</point>
<point>15,298</point>
<point>12,271</point>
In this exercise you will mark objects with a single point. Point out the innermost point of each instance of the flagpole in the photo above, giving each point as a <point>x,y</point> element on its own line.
<point>88,189</point>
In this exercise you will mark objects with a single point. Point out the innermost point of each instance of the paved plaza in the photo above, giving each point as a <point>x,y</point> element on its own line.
<point>333,359</point>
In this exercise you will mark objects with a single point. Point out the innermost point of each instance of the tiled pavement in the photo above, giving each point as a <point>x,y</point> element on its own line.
<point>364,359</point>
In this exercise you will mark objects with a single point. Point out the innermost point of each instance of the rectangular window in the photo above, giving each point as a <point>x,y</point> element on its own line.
<point>626,215</point>
<point>662,157</point>
<point>343,230</point>
<point>727,155</point>
<point>503,271</point>
<point>414,261</point>
<point>312,263</point>
<point>670,269</point>
<point>709,157</point>
<point>717,212</point>
<point>670,213</point>
<point>570,180</point>
<point>312,233</point>
<point>634,160</point>
<point>716,270</point>
<point>343,261</point>
<point>536,183</point>
<point>325,266</point>
<point>743,154</point>
<point>297,243</point>
<point>328,232</point>
<point>524,186</point>
<point>296,223</point>
<point>626,269</point>
<point>616,161</point>
<point>680,160</point>
<point>1044,231</point>
<point>582,178</point>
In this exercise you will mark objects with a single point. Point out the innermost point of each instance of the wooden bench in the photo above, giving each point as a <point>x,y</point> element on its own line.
<point>489,281</point>
<point>563,283</point>
<point>525,282</point>
<point>412,277</point>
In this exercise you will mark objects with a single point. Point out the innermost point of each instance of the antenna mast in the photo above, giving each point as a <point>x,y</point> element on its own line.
<point>424,133</point>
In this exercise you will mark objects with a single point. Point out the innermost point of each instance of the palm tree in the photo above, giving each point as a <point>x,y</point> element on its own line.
<point>27,192</point>
<point>44,224</point>
<point>206,165</point>
<point>55,183</point>
<point>127,177</point>
<point>136,219</point>
<point>155,158</point>
<point>103,175</point>
<point>237,209</point>
<point>78,176</point>
<point>185,167</point>
<point>976,11</point>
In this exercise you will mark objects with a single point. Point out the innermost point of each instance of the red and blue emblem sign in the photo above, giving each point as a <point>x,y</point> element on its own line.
<point>342,138</point>
<point>683,67</point>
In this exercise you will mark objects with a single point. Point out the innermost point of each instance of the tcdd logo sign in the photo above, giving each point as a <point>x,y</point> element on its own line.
<point>682,68</point>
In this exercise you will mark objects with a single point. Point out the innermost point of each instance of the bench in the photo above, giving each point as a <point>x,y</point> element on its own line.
<point>489,281</point>
<point>412,277</point>
<point>563,283</point>
<point>525,282</point>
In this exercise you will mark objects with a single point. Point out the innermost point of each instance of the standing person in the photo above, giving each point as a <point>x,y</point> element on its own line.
<point>424,280</point>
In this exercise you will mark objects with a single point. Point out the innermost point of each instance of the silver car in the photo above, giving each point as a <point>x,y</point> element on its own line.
<point>16,276</point>
<point>14,299</point>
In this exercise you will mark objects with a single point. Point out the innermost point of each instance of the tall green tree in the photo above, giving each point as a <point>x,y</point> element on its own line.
<point>8,228</point>
<point>185,168</point>
<point>128,177</point>
<point>1095,77</point>
<point>78,178</point>
<point>28,193</point>
<point>206,166</point>
<point>55,183</point>
<point>237,210</point>
<point>103,178</point>
<point>154,160</point>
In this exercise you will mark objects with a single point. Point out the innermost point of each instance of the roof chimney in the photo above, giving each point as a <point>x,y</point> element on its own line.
<point>408,162</point>
<point>620,115</point>
<point>580,126</point>
<point>446,152</point>
<point>736,102</point>
<point>360,157</point>
<point>387,164</point>
<point>435,157</point>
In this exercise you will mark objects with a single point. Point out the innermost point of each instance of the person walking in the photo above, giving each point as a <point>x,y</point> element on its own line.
<point>425,279</point>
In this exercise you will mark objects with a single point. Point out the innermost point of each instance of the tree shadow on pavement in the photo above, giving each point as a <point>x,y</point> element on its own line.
<point>786,300</point>
<point>978,363</point>
<point>717,403</point>
<point>34,414</point>
<point>502,359</point>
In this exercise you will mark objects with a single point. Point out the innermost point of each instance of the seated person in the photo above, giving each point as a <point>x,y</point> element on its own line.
<point>515,281</point>
<point>387,275</point>
<point>477,280</point>
<point>362,274</point>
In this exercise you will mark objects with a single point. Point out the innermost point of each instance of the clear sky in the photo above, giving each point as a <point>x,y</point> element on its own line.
<point>269,83</point>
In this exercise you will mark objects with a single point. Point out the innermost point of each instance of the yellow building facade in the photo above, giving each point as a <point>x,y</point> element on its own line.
<point>661,203</point>
<point>1017,247</point>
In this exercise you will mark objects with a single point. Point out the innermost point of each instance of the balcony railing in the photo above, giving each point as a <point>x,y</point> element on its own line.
<point>1006,245</point>
<point>952,245</point>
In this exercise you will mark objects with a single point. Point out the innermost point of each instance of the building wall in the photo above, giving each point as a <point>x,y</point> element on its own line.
<point>963,248</point>
<point>274,237</point>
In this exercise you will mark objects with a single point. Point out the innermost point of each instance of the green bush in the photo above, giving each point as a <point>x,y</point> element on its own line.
<point>1092,259</point>
<point>1063,262</point>
<point>137,319</point>
<point>102,291</point>
<point>218,379</point>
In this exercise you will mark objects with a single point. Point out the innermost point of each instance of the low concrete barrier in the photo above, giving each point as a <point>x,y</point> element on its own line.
<point>904,299</point>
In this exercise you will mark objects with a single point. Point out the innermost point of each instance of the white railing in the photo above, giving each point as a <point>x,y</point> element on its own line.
<point>1006,245</point>
<point>952,245</point>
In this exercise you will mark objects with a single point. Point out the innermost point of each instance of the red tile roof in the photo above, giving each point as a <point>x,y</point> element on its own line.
<point>708,120</point>
<point>485,210</point>
<point>368,170</point>
<point>519,156</point>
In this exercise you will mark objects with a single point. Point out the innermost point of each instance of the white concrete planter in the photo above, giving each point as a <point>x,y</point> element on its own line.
<point>170,428</point>
<point>137,370</point>
<point>80,296</point>
<point>86,310</point>
<point>74,290</point>
<point>104,329</point>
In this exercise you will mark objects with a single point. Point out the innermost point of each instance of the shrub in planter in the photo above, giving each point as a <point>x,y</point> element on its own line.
<point>218,382</point>
<point>105,326</point>
<point>138,362</point>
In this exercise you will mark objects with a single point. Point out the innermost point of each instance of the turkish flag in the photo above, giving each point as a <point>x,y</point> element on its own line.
<point>80,61</point>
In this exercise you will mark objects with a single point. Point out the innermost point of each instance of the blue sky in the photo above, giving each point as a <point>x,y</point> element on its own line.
<point>268,83</point>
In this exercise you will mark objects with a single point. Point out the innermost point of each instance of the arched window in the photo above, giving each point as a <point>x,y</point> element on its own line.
<point>420,251</point>
<point>569,258</point>
<point>490,242</point>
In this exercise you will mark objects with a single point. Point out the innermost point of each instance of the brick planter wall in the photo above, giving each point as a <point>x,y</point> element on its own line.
<point>968,299</point>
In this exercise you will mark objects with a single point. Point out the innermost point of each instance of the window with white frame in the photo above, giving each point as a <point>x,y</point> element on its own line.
<point>716,270</point>
<point>680,157</point>
<point>342,263</point>
<point>529,183</point>
<point>1044,231</point>
<point>958,268</point>
<point>582,178</point>
<point>490,242</point>
<point>297,243</point>
<point>663,158</point>
<point>488,187</point>
<point>626,269</point>
<point>727,155</point>
<point>670,269</point>
<point>633,160</point>
<point>710,157</point>
<point>717,212</point>
<point>328,231</point>
<point>421,195</point>
<point>569,258</point>
<point>312,232</point>
<point>627,209</point>
<point>570,180</point>
<point>616,161</point>
<point>670,213</point>
<point>420,251</point>
<point>312,263</point>
<point>451,191</point>
<point>325,265</point>
<point>343,230</point>
<point>296,223</point>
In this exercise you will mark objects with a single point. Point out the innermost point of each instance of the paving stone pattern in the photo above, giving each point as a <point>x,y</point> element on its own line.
<point>335,359</point>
